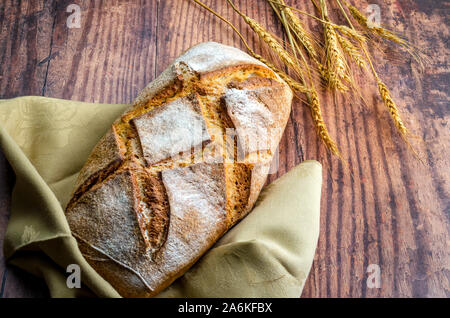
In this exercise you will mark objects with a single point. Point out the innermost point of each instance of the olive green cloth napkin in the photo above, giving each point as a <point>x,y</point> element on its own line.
<point>47,141</point>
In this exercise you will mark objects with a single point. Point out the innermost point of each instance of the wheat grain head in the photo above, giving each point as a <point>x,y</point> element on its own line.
<point>392,107</point>
<point>352,51</point>
<point>319,124</point>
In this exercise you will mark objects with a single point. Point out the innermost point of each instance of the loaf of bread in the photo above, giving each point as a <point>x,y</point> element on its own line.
<point>182,165</point>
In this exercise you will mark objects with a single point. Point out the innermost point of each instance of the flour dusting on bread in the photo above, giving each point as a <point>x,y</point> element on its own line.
<point>167,180</point>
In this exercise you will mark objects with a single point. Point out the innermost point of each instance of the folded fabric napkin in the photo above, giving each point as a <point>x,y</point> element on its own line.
<point>47,141</point>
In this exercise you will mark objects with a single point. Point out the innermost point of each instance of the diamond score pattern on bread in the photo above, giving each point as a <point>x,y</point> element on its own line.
<point>182,165</point>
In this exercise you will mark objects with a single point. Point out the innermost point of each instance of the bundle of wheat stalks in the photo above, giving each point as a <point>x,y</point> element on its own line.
<point>342,47</point>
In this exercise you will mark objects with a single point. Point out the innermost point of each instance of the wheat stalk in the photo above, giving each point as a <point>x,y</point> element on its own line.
<point>312,97</point>
<point>364,22</point>
<point>295,86</point>
<point>389,35</point>
<point>278,49</point>
<point>342,28</point>
<point>326,74</point>
<point>340,42</point>
<point>352,33</point>
<point>352,51</point>
<point>268,38</point>
<point>335,58</point>
<point>392,107</point>
<point>382,88</point>
<point>319,123</point>
<point>387,99</point>
<point>297,27</point>
<point>359,17</point>
<point>271,41</point>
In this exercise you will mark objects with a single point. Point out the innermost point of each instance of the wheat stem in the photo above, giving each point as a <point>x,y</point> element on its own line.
<point>386,97</point>
<point>365,23</point>
<point>266,37</point>
<point>351,51</point>
<point>342,28</point>
<point>351,33</point>
<point>319,123</point>
<point>335,59</point>
<point>312,96</point>
<point>298,29</point>
<point>392,107</point>
<point>295,86</point>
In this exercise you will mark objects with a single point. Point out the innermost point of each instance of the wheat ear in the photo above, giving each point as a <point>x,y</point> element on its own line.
<point>335,59</point>
<point>267,37</point>
<point>392,107</point>
<point>330,77</point>
<point>352,51</point>
<point>364,22</point>
<point>312,97</point>
<point>291,82</point>
<point>320,124</point>
<point>298,29</point>
<point>359,17</point>
<point>389,35</point>
<point>351,33</point>
<point>382,88</point>
<point>355,34</point>
<point>295,86</point>
<point>387,99</point>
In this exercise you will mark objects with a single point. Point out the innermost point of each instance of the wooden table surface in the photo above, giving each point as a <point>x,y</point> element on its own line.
<point>387,209</point>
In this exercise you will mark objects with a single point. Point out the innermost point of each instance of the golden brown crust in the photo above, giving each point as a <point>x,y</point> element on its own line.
<point>106,157</point>
<point>146,207</point>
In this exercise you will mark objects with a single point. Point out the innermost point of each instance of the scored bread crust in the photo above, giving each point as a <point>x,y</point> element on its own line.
<point>146,205</point>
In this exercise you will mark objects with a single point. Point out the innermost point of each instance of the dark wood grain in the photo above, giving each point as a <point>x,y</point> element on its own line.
<point>385,208</point>
<point>110,58</point>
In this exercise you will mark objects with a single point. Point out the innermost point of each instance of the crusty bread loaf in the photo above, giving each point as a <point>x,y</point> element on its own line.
<point>178,168</point>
